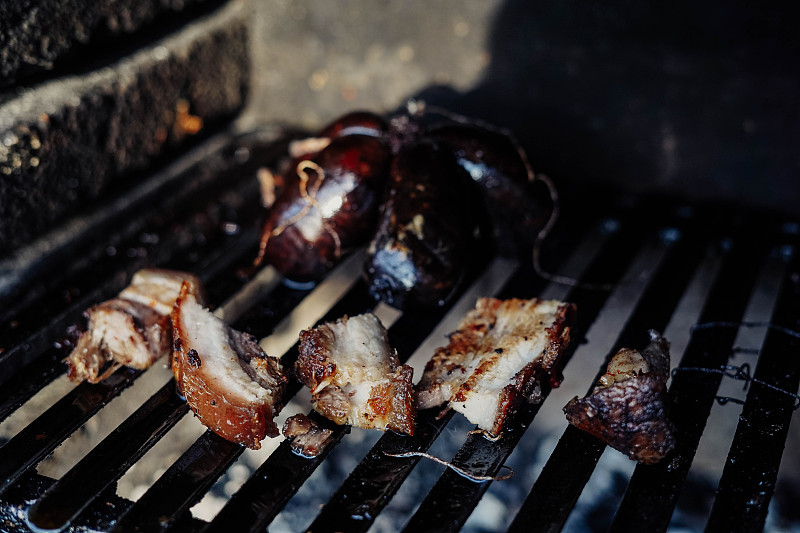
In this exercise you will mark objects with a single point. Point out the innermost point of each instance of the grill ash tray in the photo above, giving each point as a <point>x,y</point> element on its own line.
<point>71,451</point>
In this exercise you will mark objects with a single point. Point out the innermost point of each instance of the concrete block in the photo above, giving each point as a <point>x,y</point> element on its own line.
<point>34,34</point>
<point>65,142</point>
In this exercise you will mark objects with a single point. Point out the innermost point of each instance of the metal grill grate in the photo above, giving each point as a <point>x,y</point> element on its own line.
<point>200,216</point>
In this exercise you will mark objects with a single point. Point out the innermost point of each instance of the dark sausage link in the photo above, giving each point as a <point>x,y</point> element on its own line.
<point>329,207</point>
<point>501,169</point>
<point>428,229</point>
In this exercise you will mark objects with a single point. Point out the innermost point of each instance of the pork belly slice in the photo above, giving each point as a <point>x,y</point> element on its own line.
<point>627,408</point>
<point>305,436</point>
<point>132,329</point>
<point>354,375</point>
<point>158,288</point>
<point>498,356</point>
<point>233,387</point>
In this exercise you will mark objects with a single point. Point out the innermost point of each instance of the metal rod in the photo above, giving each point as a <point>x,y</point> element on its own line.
<point>653,489</point>
<point>453,498</point>
<point>42,436</point>
<point>78,488</point>
<point>183,484</point>
<point>748,479</point>
<point>571,464</point>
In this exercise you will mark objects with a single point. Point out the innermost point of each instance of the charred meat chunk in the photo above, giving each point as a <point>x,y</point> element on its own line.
<point>132,329</point>
<point>355,376</point>
<point>429,230</point>
<point>353,123</point>
<point>502,353</point>
<point>516,208</point>
<point>233,387</point>
<point>627,409</point>
<point>330,205</point>
<point>307,438</point>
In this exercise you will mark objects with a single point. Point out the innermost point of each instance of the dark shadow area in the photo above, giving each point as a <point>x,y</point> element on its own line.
<point>695,100</point>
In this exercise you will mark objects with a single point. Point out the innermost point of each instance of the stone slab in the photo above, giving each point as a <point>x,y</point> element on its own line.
<point>65,142</point>
<point>35,34</point>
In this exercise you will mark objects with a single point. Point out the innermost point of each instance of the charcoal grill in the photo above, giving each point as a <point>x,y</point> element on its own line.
<point>670,265</point>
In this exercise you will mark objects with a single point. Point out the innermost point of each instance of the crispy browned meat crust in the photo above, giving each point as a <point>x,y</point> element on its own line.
<point>630,414</point>
<point>501,353</point>
<point>232,386</point>
<point>132,329</point>
<point>307,438</point>
<point>354,375</point>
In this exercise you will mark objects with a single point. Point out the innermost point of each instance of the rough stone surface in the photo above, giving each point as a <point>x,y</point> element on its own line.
<point>315,59</point>
<point>64,142</point>
<point>34,34</point>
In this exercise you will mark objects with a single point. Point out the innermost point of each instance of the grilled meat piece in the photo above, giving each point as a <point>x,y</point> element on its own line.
<point>307,438</point>
<point>501,353</point>
<point>518,211</point>
<point>232,386</point>
<point>132,329</point>
<point>355,123</point>
<point>429,230</point>
<point>330,205</point>
<point>355,376</point>
<point>627,407</point>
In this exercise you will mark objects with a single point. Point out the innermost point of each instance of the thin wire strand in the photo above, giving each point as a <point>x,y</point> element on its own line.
<point>454,468</point>
<point>768,325</point>
<point>302,169</point>
<point>543,234</point>
<point>741,372</point>
<point>311,201</point>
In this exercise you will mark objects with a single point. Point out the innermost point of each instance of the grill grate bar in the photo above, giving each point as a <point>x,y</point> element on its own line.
<point>268,490</point>
<point>78,488</point>
<point>453,498</point>
<point>653,490</point>
<point>29,381</point>
<point>572,462</point>
<point>183,484</point>
<point>748,479</point>
<point>172,495</point>
<point>32,485</point>
<point>377,477</point>
<point>45,433</point>
<point>262,497</point>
